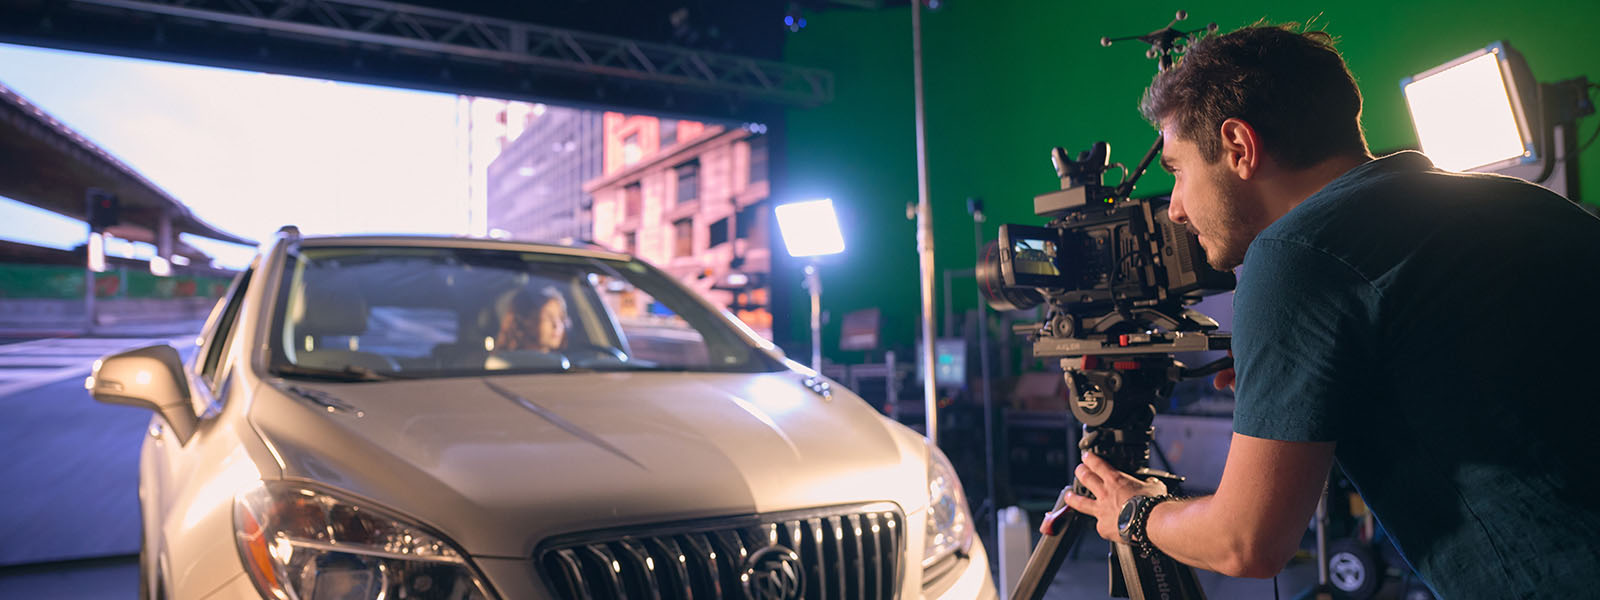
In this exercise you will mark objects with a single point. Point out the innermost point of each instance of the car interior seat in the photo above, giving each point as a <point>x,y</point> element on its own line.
<point>330,308</point>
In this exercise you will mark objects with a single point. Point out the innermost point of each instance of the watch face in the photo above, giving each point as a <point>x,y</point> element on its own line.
<point>1126,517</point>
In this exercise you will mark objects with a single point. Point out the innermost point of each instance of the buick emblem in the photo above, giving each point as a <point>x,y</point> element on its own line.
<point>773,573</point>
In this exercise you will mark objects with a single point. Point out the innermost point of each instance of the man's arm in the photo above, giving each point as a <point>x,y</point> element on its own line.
<point>1249,528</point>
<point>1253,524</point>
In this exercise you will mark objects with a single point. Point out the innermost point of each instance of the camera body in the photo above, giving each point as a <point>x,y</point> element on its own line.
<point>1101,252</point>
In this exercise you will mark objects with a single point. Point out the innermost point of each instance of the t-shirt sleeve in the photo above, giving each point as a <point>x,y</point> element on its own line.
<point>1302,342</point>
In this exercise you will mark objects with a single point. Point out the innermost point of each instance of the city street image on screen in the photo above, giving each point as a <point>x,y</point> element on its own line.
<point>324,320</point>
<point>1035,257</point>
<point>121,228</point>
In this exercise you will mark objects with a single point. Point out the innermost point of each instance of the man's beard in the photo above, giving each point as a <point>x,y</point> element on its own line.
<point>1238,221</point>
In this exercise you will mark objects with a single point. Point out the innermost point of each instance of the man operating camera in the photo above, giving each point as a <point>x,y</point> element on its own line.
<point>1431,331</point>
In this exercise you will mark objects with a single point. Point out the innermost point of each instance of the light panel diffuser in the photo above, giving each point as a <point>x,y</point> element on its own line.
<point>1468,113</point>
<point>810,228</point>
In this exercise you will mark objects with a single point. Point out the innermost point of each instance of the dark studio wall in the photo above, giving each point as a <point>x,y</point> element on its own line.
<point>1008,79</point>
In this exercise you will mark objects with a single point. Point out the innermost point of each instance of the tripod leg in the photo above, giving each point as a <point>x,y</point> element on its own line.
<point>1047,556</point>
<point>1153,576</point>
<point>1114,580</point>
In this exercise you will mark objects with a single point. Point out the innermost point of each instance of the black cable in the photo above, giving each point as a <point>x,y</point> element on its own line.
<point>1596,135</point>
<point>1584,146</point>
<point>1274,587</point>
<point>1593,88</point>
<point>1209,368</point>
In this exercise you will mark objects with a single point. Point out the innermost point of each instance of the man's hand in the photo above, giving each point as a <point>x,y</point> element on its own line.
<point>1111,489</point>
<point>1224,380</point>
<point>1225,377</point>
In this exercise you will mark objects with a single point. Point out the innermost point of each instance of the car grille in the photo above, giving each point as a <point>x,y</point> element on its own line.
<point>837,553</point>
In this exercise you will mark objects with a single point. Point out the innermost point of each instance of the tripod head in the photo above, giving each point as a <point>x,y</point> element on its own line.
<point>1119,366</point>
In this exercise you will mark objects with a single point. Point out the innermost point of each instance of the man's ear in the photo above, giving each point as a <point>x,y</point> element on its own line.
<point>1241,148</point>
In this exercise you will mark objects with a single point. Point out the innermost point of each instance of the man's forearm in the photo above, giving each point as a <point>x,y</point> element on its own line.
<point>1198,532</point>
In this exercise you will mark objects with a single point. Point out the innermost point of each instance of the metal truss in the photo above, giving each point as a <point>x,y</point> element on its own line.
<point>484,39</point>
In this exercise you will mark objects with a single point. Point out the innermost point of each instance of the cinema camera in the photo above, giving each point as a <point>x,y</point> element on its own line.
<point>1117,277</point>
<point>1102,254</point>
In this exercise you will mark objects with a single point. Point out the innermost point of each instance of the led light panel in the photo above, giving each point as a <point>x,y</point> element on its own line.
<point>810,228</point>
<point>1468,113</point>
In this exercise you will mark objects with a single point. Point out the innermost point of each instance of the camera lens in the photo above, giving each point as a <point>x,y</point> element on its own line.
<point>992,284</point>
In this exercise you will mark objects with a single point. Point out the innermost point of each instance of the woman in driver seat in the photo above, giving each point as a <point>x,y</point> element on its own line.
<point>534,320</point>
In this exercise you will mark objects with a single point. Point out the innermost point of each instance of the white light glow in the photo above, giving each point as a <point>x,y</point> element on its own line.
<point>97,253</point>
<point>160,267</point>
<point>1463,115</point>
<point>810,228</point>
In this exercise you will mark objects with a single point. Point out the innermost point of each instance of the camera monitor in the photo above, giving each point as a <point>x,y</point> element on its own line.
<point>1029,256</point>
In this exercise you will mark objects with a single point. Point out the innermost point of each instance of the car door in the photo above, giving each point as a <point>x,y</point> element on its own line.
<point>172,465</point>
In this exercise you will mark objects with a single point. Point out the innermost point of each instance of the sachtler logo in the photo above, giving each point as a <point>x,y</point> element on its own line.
<point>773,573</point>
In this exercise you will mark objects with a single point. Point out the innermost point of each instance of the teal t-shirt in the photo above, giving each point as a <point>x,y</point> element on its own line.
<point>1442,329</point>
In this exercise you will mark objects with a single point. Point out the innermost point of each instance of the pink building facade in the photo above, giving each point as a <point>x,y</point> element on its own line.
<point>691,199</point>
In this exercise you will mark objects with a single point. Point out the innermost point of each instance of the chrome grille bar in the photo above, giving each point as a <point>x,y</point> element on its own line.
<point>668,550</point>
<point>844,553</point>
<point>708,561</point>
<point>641,564</point>
<point>835,556</point>
<point>817,560</point>
<point>610,573</point>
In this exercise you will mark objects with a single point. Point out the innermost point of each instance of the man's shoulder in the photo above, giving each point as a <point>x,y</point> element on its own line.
<point>1383,185</point>
<point>1402,197</point>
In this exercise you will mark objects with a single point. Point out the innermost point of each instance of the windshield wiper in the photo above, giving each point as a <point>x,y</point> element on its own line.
<point>348,373</point>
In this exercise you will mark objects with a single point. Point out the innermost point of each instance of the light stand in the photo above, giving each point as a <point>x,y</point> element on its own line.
<point>924,214</point>
<point>810,229</point>
<point>814,284</point>
<point>975,207</point>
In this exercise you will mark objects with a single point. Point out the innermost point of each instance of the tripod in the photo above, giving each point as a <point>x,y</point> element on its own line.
<point>1116,350</point>
<point>1117,372</point>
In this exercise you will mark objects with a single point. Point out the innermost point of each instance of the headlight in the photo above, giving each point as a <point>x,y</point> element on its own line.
<point>949,520</point>
<point>302,544</point>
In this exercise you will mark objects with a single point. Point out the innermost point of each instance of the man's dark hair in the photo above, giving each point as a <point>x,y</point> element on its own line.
<point>1292,87</point>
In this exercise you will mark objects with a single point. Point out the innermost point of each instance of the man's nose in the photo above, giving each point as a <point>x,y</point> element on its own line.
<point>1176,213</point>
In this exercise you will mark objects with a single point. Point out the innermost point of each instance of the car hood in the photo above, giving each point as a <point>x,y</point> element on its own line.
<point>499,463</point>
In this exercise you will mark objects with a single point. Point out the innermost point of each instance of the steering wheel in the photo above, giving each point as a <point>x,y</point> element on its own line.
<point>583,354</point>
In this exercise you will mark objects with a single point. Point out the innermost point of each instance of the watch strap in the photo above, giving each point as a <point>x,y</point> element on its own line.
<point>1136,533</point>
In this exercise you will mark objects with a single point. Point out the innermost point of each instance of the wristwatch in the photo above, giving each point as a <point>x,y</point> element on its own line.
<point>1135,517</point>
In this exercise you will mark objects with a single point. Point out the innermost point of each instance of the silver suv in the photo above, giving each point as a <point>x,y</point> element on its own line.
<point>405,417</point>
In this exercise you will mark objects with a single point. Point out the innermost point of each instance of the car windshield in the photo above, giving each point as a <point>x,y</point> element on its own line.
<point>373,313</point>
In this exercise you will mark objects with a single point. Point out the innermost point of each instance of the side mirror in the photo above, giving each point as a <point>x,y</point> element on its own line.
<point>149,377</point>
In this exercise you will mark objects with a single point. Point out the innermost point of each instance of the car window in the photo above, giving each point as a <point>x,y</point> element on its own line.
<point>405,331</point>
<point>654,332</point>
<point>221,336</point>
<point>368,313</point>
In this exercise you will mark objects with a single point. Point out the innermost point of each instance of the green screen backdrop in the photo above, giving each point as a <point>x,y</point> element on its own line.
<point>1006,80</point>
